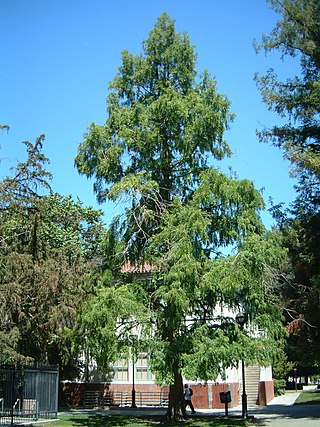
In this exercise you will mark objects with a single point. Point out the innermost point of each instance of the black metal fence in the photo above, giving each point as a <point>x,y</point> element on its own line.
<point>98,399</point>
<point>28,392</point>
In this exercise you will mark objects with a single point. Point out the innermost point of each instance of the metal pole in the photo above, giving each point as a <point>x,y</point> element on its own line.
<point>133,393</point>
<point>244,395</point>
<point>241,320</point>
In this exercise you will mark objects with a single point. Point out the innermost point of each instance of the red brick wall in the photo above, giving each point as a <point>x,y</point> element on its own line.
<point>127,388</point>
<point>72,393</point>
<point>266,392</point>
<point>200,396</point>
<point>217,388</point>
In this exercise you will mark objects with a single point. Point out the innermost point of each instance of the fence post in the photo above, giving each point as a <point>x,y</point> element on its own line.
<point>12,391</point>
<point>57,390</point>
<point>37,392</point>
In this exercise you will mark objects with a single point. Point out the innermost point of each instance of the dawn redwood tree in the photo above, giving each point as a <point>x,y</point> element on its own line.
<point>180,310</point>
<point>163,123</point>
<point>297,101</point>
<point>164,129</point>
<point>192,292</point>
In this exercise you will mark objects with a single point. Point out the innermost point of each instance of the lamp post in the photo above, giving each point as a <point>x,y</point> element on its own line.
<point>241,320</point>
<point>133,392</point>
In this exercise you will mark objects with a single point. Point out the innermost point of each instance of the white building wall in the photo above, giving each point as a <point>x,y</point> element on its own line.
<point>266,373</point>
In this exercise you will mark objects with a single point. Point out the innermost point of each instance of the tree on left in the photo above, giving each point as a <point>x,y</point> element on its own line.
<point>49,246</point>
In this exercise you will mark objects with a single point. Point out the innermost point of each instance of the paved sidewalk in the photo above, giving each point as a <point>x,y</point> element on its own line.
<point>286,399</point>
<point>282,412</point>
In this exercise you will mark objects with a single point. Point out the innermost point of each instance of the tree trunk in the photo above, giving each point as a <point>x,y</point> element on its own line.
<point>176,407</point>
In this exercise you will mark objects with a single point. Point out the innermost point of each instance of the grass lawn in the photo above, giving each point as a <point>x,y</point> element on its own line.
<point>106,420</point>
<point>309,397</point>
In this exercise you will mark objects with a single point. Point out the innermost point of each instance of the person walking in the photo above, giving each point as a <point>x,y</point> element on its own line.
<point>188,393</point>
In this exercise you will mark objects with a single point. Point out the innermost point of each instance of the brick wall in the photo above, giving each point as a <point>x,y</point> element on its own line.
<point>200,396</point>
<point>218,388</point>
<point>72,394</point>
<point>266,392</point>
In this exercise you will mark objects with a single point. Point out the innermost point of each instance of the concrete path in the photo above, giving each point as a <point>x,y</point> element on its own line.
<point>282,412</point>
<point>286,399</point>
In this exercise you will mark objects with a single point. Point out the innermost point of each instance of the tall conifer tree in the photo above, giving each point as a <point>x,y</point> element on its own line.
<point>165,128</point>
<point>296,37</point>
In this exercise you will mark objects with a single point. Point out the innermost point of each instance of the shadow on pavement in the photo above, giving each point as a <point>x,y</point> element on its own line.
<point>293,414</point>
<point>271,415</point>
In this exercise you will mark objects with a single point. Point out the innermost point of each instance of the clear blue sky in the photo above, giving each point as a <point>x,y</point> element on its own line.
<point>58,56</point>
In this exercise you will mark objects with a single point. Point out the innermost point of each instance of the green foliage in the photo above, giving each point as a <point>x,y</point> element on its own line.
<point>281,366</point>
<point>279,386</point>
<point>107,320</point>
<point>297,101</point>
<point>192,286</point>
<point>49,248</point>
<point>300,287</point>
<point>164,131</point>
<point>281,369</point>
<point>29,178</point>
<point>162,124</point>
<point>298,98</point>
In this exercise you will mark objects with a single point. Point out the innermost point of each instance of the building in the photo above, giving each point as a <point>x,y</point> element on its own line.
<point>131,381</point>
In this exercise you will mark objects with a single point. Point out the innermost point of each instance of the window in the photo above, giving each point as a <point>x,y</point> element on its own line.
<point>121,370</point>
<point>143,372</point>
